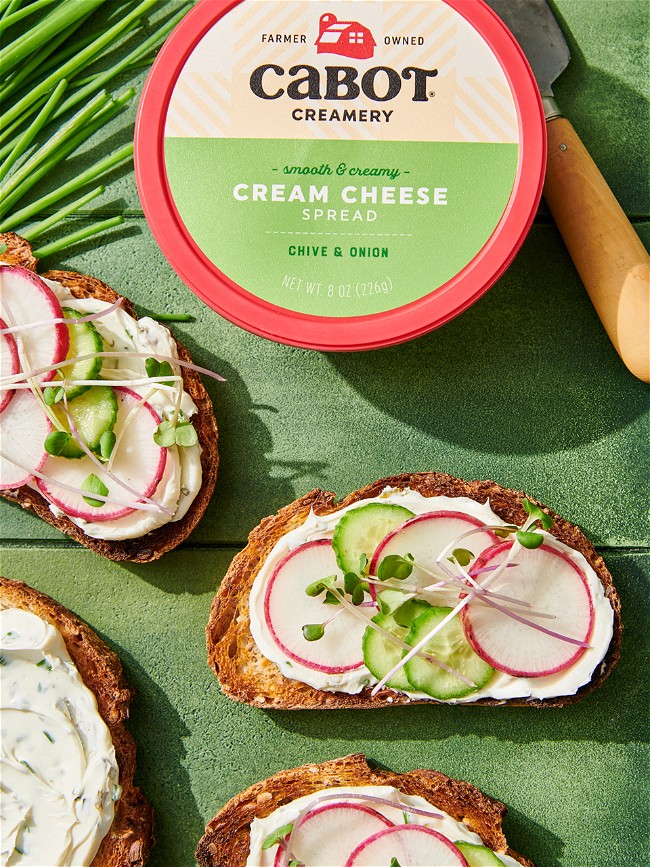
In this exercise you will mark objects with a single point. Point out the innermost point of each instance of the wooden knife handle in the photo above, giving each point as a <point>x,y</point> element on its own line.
<point>610,258</point>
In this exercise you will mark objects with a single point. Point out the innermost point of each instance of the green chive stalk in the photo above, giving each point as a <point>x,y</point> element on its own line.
<point>48,27</point>
<point>78,61</point>
<point>101,78</point>
<point>32,130</point>
<point>75,237</point>
<point>65,150</point>
<point>45,225</point>
<point>9,20</point>
<point>107,164</point>
<point>66,132</point>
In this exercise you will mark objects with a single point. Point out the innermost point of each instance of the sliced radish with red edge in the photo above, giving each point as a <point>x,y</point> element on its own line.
<point>330,833</point>
<point>9,363</point>
<point>139,462</point>
<point>552,583</point>
<point>411,845</point>
<point>23,429</point>
<point>25,298</point>
<point>426,536</point>
<point>287,608</point>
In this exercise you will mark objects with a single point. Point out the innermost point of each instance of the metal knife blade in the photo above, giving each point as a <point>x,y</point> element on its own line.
<point>533,25</point>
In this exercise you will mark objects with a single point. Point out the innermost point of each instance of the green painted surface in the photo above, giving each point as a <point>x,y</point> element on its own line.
<point>572,779</point>
<point>524,388</point>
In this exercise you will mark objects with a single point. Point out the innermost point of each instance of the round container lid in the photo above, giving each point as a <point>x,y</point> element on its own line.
<point>340,175</point>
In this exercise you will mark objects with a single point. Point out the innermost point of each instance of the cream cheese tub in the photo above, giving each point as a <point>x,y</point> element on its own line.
<point>340,175</point>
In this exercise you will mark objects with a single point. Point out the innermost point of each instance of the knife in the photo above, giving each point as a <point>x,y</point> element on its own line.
<point>611,260</point>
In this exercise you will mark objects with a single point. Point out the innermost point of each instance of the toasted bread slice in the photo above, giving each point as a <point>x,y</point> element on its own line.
<point>247,676</point>
<point>156,543</point>
<point>130,837</point>
<point>226,842</point>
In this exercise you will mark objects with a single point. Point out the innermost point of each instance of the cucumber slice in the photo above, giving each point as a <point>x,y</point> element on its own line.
<point>94,413</point>
<point>380,654</point>
<point>449,646</point>
<point>360,531</point>
<point>84,339</point>
<point>478,856</point>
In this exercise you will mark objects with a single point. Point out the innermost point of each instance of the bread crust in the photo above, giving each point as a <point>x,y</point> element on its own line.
<point>130,837</point>
<point>156,543</point>
<point>247,676</point>
<point>226,842</point>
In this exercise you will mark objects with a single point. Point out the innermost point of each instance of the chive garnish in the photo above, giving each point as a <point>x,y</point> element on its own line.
<point>48,736</point>
<point>47,71</point>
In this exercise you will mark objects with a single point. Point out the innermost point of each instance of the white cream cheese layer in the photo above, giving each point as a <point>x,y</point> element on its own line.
<point>59,773</point>
<point>449,827</point>
<point>501,686</point>
<point>182,478</point>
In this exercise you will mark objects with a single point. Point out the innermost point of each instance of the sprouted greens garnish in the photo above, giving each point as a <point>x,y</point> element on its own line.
<point>394,570</point>
<point>159,374</point>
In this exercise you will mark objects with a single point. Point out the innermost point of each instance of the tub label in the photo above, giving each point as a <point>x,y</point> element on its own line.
<point>342,158</point>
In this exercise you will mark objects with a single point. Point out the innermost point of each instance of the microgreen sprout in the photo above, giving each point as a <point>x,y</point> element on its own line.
<point>92,484</point>
<point>52,395</point>
<point>180,433</point>
<point>395,566</point>
<point>107,444</point>
<point>394,862</point>
<point>277,837</point>
<point>461,556</point>
<point>55,442</point>
<point>323,585</point>
<point>313,631</point>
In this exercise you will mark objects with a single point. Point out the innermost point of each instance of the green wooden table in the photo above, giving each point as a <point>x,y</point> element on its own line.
<point>524,388</point>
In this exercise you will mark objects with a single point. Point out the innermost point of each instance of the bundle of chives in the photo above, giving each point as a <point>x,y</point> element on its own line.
<point>47,69</point>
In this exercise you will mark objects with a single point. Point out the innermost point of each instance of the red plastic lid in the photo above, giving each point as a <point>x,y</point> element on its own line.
<point>340,175</point>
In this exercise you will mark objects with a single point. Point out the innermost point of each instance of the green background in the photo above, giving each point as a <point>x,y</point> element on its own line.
<point>203,173</point>
<point>524,388</point>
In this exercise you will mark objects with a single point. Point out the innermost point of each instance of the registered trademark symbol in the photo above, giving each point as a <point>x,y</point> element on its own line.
<point>432,93</point>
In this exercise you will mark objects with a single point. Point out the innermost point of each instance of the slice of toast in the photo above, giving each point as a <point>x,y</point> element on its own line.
<point>247,676</point>
<point>163,539</point>
<point>226,842</point>
<point>130,837</point>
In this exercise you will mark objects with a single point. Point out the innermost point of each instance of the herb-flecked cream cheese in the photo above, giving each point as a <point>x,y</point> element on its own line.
<point>59,773</point>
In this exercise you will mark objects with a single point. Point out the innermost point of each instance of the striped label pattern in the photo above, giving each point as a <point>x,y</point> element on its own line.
<point>469,100</point>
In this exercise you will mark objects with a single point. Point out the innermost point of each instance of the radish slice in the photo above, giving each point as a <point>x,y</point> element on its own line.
<point>426,536</point>
<point>328,834</point>
<point>140,462</point>
<point>551,582</point>
<point>9,363</point>
<point>411,845</point>
<point>23,428</point>
<point>287,608</point>
<point>27,298</point>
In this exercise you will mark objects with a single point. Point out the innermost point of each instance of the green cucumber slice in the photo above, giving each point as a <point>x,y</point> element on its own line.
<point>94,413</point>
<point>380,654</point>
<point>478,856</point>
<point>84,339</point>
<point>449,646</point>
<point>360,531</point>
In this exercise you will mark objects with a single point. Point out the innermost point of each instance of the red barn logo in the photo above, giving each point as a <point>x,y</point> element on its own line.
<point>348,38</point>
